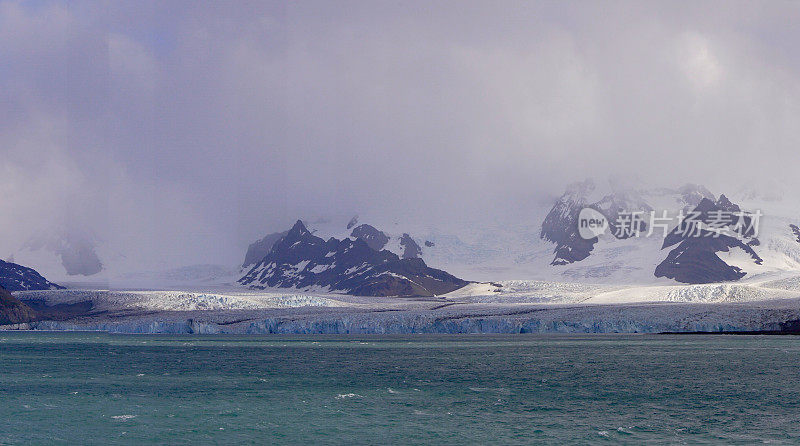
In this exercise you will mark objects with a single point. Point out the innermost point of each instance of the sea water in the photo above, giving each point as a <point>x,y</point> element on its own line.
<point>88,388</point>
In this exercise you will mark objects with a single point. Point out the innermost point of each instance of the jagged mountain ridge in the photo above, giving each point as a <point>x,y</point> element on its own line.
<point>545,246</point>
<point>705,257</point>
<point>405,246</point>
<point>560,226</point>
<point>373,237</point>
<point>695,259</point>
<point>304,261</point>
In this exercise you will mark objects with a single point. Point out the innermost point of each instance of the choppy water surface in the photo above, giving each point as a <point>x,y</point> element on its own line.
<point>95,388</point>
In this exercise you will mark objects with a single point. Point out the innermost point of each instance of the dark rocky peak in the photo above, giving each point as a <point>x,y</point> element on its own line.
<point>298,244</point>
<point>695,259</point>
<point>560,226</point>
<point>411,249</point>
<point>375,238</point>
<point>302,260</point>
<point>706,212</point>
<point>299,229</point>
<point>795,231</point>
<point>299,232</point>
<point>725,204</point>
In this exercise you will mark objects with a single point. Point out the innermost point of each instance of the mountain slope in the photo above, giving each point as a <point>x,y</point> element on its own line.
<point>12,311</point>
<point>695,259</point>
<point>561,224</point>
<point>540,241</point>
<point>302,260</point>
<point>15,277</point>
<point>715,251</point>
<point>374,238</point>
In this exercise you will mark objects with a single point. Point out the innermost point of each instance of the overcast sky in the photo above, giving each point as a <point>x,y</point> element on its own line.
<point>183,130</point>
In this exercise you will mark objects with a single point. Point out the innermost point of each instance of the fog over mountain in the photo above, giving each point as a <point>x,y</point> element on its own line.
<point>177,133</point>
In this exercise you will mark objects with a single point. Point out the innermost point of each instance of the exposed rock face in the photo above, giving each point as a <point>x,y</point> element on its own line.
<point>257,250</point>
<point>695,259</point>
<point>377,240</point>
<point>303,260</point>
<point>627,201</point>
<point>561,226</point>
<point>12,311</point>
<point>15,277</point>
<point>411,249</point>
<point>373,237</point>
<point>796,232</point>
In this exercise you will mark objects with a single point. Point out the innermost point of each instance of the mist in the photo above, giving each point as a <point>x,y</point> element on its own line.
<point>178,132</point>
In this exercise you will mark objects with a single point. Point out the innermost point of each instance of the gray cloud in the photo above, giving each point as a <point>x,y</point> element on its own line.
<point>176,132</point>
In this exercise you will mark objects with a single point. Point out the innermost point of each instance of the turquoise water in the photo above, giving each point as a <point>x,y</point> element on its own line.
<point>449,389</point>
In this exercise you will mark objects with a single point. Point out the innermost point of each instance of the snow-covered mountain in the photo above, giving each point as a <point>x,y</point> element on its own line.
<point>545,244</point>
<point>714,251</point>
<point>403,245</point>
<point>696,258</point>
<point>302,260</point>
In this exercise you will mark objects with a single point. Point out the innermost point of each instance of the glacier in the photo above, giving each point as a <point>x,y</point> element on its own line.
<point>651,318</point>
<point>768,304</point>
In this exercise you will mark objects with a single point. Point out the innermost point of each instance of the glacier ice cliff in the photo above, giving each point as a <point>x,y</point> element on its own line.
<point>643,318</point>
